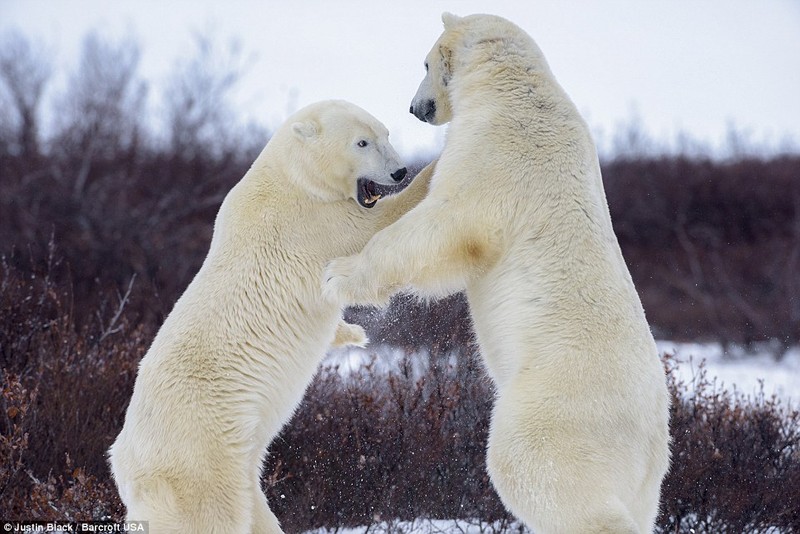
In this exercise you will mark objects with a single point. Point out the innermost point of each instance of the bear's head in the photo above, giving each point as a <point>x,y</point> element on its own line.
<point>452,55</point>
<point>342,152</point>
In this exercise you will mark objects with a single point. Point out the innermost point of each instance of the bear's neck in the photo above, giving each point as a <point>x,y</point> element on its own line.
<point>517,86</point>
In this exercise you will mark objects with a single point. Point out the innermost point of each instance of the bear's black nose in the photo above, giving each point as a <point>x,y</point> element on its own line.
<point>399,174</point>
<point>425,111</point>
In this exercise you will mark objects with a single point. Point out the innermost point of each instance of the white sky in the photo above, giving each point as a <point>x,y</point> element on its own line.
<point>678,65</point>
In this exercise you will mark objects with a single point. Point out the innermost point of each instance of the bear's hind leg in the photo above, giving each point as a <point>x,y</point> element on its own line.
<point>192,507</point>
<point>546,508</point>
<point>547,481</point>
<point>154,502</point>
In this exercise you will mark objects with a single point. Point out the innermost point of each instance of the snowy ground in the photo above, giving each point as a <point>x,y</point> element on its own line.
<point>740,369</point>
<point>442,526</point>
<point>429,526</point>
<point>735,369</point>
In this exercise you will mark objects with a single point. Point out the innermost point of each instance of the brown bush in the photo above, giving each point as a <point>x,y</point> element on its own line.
<point>65,389</point>
<point>386,460</point>
<point>735,462</point>
<point>117,202</point>
<point>713,247</point>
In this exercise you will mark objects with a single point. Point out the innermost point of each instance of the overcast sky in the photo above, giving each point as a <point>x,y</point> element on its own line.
<point>680,66</point>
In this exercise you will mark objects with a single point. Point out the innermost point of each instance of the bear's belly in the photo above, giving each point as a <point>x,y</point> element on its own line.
<point>505,310</point>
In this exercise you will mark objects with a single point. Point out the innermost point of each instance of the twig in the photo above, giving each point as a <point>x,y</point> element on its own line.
<point>123,300</point>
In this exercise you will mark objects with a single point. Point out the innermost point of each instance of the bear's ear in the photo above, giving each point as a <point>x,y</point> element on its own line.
<point>449,20</point>
<point>447,63</point>
<point>304,130</point>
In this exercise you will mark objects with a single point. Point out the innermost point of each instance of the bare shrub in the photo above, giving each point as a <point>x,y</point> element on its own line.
<point>24,73</point>
<point>376,445</point>
<point>200,119</point>
<point>14,405</point>
<point>735,461</point>
<point>99,115</point>
<point>691,230</point>
<point>65,389</point>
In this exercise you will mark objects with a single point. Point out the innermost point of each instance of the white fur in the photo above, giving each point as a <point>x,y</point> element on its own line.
<point>517,216</point>
<point>233,358</point>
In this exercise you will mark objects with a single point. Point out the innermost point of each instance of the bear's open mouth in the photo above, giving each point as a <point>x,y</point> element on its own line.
<point>370,192</point>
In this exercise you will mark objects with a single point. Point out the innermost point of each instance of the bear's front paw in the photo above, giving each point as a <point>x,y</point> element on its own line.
<point>344,281</point>
<point>349,335</point>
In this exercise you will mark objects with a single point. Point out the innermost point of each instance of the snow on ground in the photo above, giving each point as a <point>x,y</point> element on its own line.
<point>444,526</point>
<point>734,368</point>
<point>429,526</point>
<point>740,369</point>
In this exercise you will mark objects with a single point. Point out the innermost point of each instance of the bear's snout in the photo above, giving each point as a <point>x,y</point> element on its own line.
<point>399,174</point>
<point>425,111</point>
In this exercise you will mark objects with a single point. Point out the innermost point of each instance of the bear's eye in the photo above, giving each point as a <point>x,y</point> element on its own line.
<point>426,66</point>
<point>362,143</point>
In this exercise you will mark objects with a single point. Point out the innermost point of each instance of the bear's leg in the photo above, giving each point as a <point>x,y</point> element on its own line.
<point>428,248</point>
<point>154,501</point>
<point>349,335</point>
<point>215,508</point>
<point>645,510</point>
<point>231,513</point>
<point>543,482</point>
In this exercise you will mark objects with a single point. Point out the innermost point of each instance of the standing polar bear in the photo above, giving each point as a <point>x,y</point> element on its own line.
<point>517,216</point>
<point>233,358</point>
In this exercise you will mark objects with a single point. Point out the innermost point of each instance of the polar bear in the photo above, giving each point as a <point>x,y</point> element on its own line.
<point>233,358</point>
<point>516,215</point>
